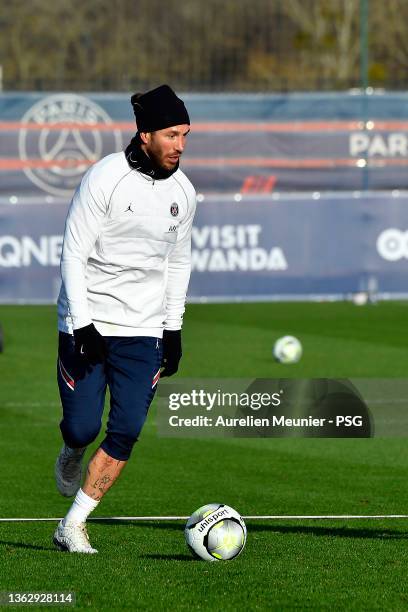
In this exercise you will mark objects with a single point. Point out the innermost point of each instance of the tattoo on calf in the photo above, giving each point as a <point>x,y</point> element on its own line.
<point>102,484</point>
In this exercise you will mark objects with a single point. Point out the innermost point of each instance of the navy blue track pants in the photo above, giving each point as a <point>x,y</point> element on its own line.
<point>131,371</point>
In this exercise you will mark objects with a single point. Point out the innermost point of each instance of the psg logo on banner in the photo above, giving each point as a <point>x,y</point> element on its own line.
<point>174,209</point>
<point>60,137</point>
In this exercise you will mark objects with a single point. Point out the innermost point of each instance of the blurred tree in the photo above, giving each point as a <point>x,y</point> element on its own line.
<point>328,38</point>
<point>229,45</point>
<point>389,47</point>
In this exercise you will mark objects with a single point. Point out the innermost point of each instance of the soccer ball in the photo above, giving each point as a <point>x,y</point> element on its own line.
<point>287,349</point>
<point>215,532</point>
<point>360,299</point>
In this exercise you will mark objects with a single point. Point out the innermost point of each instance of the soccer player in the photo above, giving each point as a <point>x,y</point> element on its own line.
<point>125,269</point>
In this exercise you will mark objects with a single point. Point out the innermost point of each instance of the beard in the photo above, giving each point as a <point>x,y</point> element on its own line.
<point>152,163</point>
<point>159,160</point>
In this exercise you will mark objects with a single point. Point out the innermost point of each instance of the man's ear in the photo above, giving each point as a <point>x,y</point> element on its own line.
<point>145,137</point>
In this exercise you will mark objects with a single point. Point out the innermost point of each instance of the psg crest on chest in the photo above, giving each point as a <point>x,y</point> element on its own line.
<point>174,209</point>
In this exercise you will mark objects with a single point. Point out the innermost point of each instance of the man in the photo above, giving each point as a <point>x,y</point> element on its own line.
<point>125,269</point>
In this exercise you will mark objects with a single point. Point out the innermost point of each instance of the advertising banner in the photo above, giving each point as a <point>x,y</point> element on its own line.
<point>238,144</point>
<point>253,249</point>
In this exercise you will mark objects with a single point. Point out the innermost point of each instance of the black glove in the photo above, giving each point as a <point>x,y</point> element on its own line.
<point>171,352</point>
<point>89,344</point>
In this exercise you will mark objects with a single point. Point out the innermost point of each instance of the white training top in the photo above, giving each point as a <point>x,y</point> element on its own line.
<point>126,255</point>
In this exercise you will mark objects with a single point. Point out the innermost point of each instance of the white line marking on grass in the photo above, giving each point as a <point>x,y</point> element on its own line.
<point>275,517</point>
<point>99,518</point>
<point>326,516</point>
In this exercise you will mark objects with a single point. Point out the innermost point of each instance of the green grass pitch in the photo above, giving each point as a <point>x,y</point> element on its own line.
<point>286,565</point>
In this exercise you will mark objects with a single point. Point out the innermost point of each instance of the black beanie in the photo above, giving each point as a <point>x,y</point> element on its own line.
<point>158,109</point>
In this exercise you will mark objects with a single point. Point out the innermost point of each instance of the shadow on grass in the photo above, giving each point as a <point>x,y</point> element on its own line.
<point>169,557</point>
<point>25,545</point>
<point>176,525</point>
<point>340,532</point>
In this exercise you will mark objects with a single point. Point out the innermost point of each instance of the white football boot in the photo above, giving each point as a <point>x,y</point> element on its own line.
<point>68,470</point>
<point>73,537</point>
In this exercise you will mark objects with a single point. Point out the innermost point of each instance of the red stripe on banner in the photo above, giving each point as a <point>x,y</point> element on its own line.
<point>293,126</point>
<point>218,126</point>
<point>20,164</point>
<point>68,125</point>
<point>66,376</point>
<point>262,162</point>
<point>253,162</point>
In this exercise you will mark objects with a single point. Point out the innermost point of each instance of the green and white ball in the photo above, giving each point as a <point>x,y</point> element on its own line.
<point>287,349</point>
<point>215,532</point>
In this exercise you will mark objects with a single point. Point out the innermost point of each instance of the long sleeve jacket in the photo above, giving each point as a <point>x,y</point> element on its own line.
<point>126,255</point>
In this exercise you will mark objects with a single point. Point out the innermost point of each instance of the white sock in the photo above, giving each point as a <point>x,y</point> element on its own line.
<point>81,508</point>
